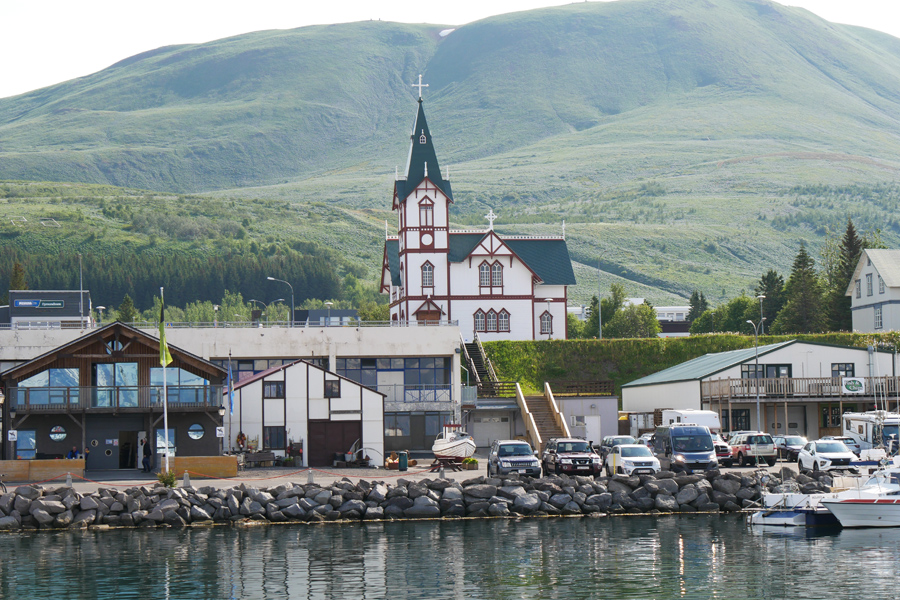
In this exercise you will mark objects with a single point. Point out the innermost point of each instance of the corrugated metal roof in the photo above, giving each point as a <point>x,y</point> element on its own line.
<point>706,365</point>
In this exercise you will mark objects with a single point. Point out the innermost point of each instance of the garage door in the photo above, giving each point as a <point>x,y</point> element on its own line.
<point>488,427</point>
<point>328,437</point>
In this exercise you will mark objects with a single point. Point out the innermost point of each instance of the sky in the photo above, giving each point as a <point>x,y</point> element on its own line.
<point>43,42</point>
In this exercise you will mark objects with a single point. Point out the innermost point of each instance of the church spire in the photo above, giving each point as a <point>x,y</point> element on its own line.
<point>422,160</point>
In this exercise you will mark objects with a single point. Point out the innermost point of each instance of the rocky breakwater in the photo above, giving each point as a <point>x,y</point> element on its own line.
<point>34,507</point>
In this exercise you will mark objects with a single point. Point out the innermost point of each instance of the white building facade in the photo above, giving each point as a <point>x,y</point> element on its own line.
<point>500,287</point>
<point>300,402</point>
<point>875,291</point>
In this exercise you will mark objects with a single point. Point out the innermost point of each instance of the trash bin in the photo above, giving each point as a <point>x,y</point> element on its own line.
<point>404,461</point>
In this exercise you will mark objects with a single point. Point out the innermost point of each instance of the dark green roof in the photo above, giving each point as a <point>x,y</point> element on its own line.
<point>706,365</point>
<point>420,155</point>
<point>392,248</point>
<point>549,259</point>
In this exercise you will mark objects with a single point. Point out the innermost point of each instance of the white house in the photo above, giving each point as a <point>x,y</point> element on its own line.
<point>498,286</point>
<point>875,291</point>
<point>800,386</point>
<point>302,402</point>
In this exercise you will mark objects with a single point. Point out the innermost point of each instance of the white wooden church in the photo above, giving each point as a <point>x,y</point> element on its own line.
<point>502,287</point>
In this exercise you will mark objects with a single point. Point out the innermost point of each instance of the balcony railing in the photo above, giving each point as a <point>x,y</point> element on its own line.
<point>106,399</point>
<point>582,388</point>
<point>814,388</point>
<point>416,393</point>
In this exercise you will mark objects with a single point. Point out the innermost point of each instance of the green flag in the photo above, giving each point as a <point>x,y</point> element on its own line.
<point>164,357</point>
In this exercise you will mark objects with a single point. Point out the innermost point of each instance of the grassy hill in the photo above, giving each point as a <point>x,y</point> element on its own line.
<point>687,144</point>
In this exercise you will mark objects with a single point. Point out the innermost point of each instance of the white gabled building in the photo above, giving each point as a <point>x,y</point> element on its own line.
<point>500,286</point>
<point>302,402</point>
<point>875,291</point>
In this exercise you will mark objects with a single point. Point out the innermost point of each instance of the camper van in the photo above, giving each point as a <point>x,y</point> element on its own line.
<point>706,418</point>
<point>873,429</point>
<point>684,447</point>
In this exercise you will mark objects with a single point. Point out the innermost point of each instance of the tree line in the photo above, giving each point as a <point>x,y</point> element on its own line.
<point>810,301</point>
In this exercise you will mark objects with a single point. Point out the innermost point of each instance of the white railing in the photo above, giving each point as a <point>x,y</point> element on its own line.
<point>531,429</point>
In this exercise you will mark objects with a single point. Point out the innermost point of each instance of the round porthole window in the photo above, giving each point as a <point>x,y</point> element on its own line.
<point>196,431</point>
<point>58,433</point>
<point>95,443</point>
<point>109,452</point>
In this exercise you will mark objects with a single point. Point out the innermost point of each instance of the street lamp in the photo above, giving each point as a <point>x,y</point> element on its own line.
<point>215,315</point>
<point>100,310</point>
<point>550,319</point>
<point>328,318</point>
<point>292,296</point>
<point>762,330</point>
<point>756,328</point>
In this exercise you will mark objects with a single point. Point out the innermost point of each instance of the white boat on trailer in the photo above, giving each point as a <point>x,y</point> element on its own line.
<point>453,443</point>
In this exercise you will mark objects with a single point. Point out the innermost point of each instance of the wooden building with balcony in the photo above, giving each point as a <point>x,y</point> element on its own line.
<point>103,393</point>
<point>801,387</point>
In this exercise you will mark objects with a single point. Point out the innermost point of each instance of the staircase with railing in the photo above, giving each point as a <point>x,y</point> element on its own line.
<point>546,418</point>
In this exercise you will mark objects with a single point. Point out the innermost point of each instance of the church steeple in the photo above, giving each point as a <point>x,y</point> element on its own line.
<point>422,160</point>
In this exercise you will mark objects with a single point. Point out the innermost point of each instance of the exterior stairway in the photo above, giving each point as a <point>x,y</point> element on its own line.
<point>477,362</point>
<point>543,418</point>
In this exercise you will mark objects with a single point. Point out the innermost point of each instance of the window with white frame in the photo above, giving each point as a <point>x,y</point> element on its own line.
<point>880,285</point>
<point>878,322</point>
<point>858,288</point>
<point>484,275</point>
<point>503,321</point>
<point>496,274</point>
<point>427,275</point>
<point>546,324</point>
<point>868,284</point>
<point>479,320</point>
<point>491,321</point>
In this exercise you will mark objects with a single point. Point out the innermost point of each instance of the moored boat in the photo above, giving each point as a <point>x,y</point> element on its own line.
<point>874,504</point>
<point>453,443</point>
<point>793,510</point>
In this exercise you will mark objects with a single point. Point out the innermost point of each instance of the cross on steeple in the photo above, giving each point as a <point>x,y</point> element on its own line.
<point>420,85</point>
<point>491,217</point>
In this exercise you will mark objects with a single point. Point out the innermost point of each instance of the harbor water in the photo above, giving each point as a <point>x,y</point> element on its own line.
<point>696,556</point>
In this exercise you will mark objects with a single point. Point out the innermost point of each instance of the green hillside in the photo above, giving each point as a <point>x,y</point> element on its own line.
<point>686,144</point>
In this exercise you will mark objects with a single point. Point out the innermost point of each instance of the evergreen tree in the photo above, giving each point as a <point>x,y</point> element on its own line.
<point>699,305</point>
<point>17,278</point>
<point>610,306</point>
<point>840,318</point>
<point>803,308</point>
<point>127,313</point>
<point>771,285</point>
<point>635,321</point>
<point>591,328</point>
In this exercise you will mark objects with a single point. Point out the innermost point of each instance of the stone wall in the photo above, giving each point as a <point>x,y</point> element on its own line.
<point>34,507</point>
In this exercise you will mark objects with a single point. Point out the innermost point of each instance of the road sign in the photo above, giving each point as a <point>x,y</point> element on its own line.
<point>220,432</point>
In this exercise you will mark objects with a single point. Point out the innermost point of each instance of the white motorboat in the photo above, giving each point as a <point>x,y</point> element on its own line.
<point>453,442</point>
<point>793,510</point>
<point>874,504</point>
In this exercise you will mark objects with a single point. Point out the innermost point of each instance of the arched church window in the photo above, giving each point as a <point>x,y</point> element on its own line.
<point>496,274</point>
<point>491,321</point>
<point>546,324</point>
<point>503,321</point>
<point>427,275</point>
<point>484,275</point>
<point>422,138</point>
<point>479,320</point>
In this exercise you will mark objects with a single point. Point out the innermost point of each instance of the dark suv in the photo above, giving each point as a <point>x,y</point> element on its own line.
<point>572,456</point>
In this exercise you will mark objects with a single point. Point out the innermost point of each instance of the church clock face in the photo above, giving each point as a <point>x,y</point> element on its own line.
<point>427,239</point>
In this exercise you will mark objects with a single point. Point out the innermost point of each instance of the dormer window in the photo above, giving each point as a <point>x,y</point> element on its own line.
<point>422,138</point>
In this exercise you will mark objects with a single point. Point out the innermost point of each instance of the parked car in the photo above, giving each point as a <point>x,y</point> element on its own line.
<point>614,440</point>
<point>723,451</point>
<point>826,455</point>
<point>789,446</point>
<point>572,456</point>
<point>753,447</point>
<point>513,456</point>
<point>631,459</point>
<point>852,444</point>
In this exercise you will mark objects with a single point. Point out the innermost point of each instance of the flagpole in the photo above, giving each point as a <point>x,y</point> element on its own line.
<point>164,352</point>
<point>230,398</point>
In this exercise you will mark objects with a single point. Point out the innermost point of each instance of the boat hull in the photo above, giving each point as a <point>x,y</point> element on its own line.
<point>865,512</point>
<point>461,448</point>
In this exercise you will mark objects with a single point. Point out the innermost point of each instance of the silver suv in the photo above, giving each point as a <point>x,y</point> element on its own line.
<point>513,456</point>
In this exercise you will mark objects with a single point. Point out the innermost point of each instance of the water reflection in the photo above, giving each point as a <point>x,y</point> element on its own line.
<point>639,557</point>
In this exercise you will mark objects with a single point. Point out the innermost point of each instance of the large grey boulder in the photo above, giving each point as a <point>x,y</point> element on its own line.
<point>726,486</point>
<point>526,504</point>
<point>453,508</point>
<point>615,486</point>
<point>601,501</point>
<point>498,510</point>
<point>424,507</point>
<point>8,523</point>
<point>687,494</point>
<point>401,502</point>
<point>323,497</point>
<point>721,498</point>
<point>29,492</point>
<point>198,514</point>
<point>452,493</point>
<point>666,503</point>
<point>84,518</point>
<point>481,491</point>
<point>511,491</point>
<point>293,511</point>
<point>417,489</point>
<point>42,516</point>
<point>22,505</point>
<point>645,504</point>
<point>399,490</point>
<point>560,500</point>
<point>357,505</point>
<point>53,507</point>
<point>64,519</point>
<point>374,514</point>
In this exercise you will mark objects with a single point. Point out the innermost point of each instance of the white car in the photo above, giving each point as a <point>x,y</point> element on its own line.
<point>825,455</point>
<point>646,439</point>
<point>631,459</point>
